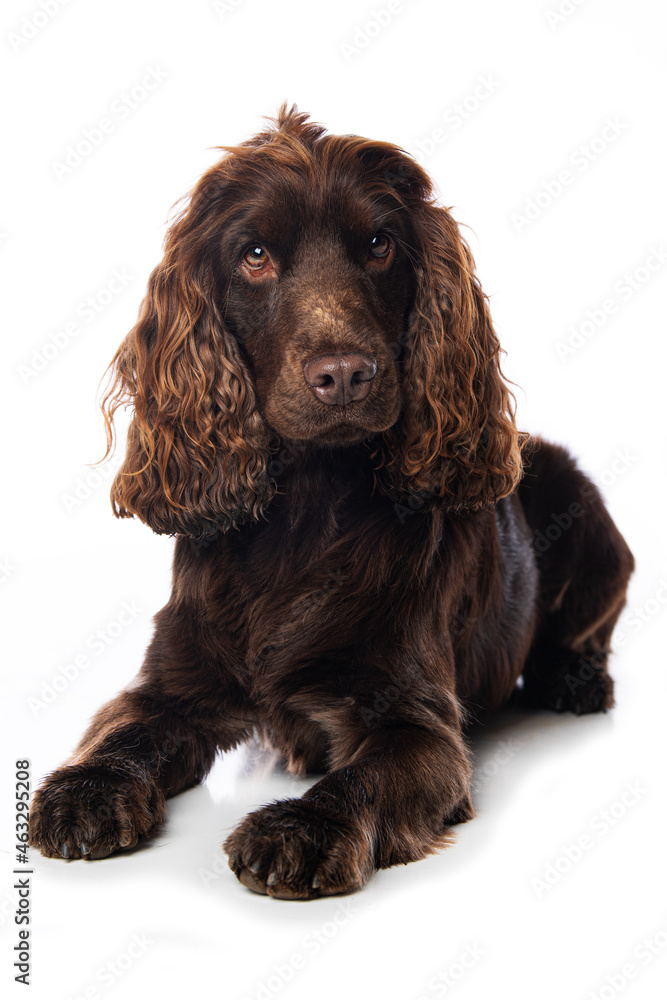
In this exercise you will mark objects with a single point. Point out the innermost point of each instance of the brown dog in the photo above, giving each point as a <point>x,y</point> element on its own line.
<point>368,553</point>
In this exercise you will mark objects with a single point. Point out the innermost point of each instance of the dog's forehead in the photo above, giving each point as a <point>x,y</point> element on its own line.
<point>291,209</point>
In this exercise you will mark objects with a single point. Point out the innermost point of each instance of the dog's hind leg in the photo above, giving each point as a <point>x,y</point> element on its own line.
<point>584,566</point>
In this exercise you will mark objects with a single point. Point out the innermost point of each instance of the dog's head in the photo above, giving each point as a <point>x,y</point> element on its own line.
<point>311,291</point>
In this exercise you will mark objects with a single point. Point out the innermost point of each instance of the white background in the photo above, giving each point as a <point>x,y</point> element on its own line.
<point>543,781</point>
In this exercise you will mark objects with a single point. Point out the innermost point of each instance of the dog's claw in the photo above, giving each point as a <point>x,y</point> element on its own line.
<point>84,848</point>
<point>272,879</point>
<point>64,849</point>
<point>254,867</point>
<point>315,884</point>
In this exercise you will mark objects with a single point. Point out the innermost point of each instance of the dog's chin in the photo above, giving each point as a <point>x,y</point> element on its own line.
<point>334,427</point>
<point>339,434</point>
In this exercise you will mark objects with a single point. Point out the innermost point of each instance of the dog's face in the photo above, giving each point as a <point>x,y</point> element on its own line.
<point>319,293</point>
<point>311,290</point>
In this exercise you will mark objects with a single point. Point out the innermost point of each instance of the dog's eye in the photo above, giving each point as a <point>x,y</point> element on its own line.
<point>256,263</point>
<point>380,247</point>
<point>256,258</point>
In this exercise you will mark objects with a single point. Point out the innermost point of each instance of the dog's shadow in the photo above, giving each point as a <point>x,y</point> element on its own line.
<point>505,746</point>
<point>514,740</point>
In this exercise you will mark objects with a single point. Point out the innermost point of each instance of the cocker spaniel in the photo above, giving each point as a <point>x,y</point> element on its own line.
<point>368,553</point>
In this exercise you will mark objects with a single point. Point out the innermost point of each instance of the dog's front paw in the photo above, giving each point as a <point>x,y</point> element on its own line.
<point>295,849</point>
<point>91,810</point>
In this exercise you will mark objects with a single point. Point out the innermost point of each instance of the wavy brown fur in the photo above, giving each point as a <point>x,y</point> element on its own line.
<point>314,366</point>
<point>198,447</point>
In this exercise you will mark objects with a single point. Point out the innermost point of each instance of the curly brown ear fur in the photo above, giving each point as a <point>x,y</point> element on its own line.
<point>456,443</point>
<point>197,447</point>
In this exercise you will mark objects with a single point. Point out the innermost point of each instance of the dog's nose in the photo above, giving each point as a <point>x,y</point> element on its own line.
<point>339,379</point>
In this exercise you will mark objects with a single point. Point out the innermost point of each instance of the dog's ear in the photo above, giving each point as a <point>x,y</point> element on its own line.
<point>455,444</point>
<point>197,447</point>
